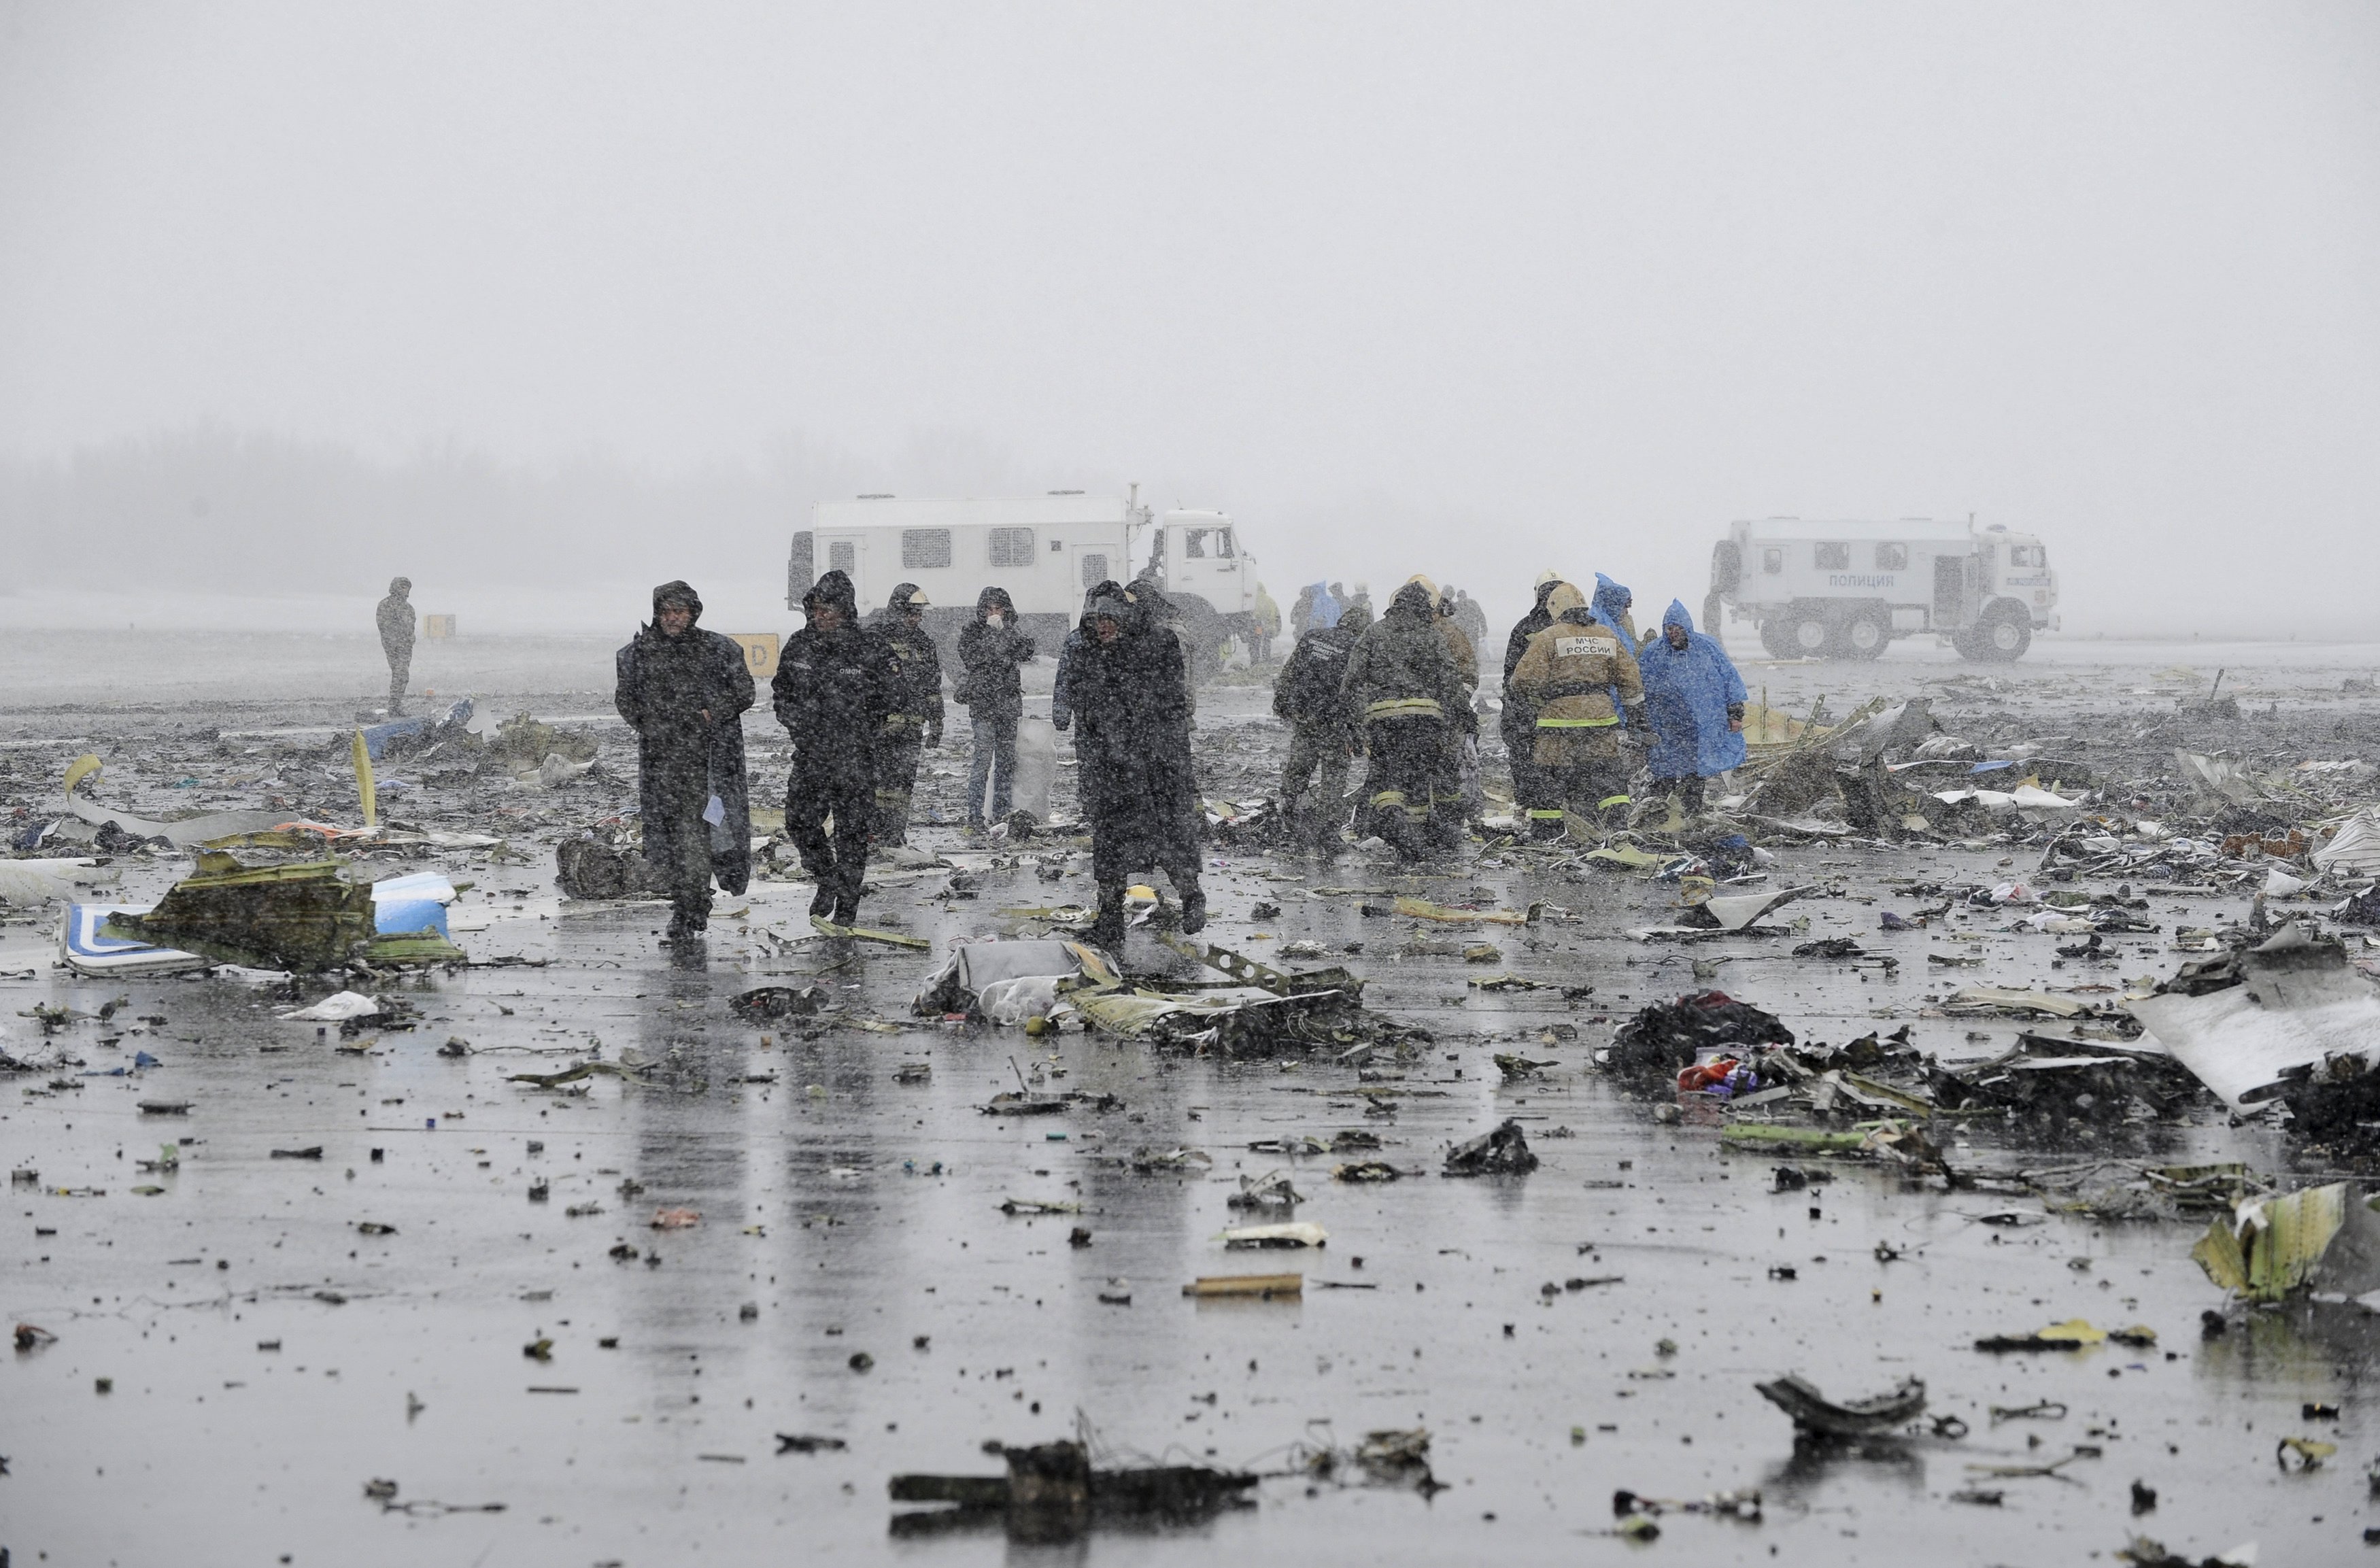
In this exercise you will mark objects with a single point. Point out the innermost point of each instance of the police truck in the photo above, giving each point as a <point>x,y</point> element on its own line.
<point>1846,589</point>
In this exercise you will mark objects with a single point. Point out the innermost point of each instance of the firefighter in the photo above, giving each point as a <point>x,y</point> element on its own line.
<point>1518,726</point>
<point>1402,682</point>
<point>683,690</point>
<point>835,685</point>
<point>1322,730</point>
<point>1569,677</point>
<point>916,720</point>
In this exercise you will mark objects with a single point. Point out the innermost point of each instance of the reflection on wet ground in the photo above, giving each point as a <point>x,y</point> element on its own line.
<point>853,1275</point>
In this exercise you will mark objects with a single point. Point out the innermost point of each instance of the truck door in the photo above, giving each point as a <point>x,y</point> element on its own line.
<point>1953,591</point>
<point>1204,559</point>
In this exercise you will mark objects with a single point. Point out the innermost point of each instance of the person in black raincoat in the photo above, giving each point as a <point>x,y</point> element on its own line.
<point>684,691</point>
<point>991,647</point>
<point>916,720</point>
<point>835,683</point>
<point>1129,703</point>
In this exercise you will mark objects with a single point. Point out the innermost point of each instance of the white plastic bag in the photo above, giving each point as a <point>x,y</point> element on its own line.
<point>1036,765</point>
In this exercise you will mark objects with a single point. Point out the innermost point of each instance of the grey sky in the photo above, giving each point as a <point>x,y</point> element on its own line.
<point>1474,289</point>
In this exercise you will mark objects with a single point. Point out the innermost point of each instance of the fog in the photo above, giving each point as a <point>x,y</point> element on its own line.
<point>545,303</point>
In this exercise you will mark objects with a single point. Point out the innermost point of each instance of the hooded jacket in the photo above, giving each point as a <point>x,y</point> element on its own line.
<point>917,669</point>
<point>1400,667</point>
<point>834,688</point>
<point>1611,607</point>
<point>1690,696</point>
<point>664,684</point>
<point>1131,712</point>
<point>395,617</point>
<point>1569,671</point>
<point>1307,692</point>
<point>988,685</point>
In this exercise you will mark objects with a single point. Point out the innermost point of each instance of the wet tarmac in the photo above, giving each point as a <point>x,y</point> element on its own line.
<point>264,1356</point>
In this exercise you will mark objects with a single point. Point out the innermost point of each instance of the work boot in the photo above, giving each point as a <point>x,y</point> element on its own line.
<point>822,901</point>
<point>690,953</point>
<point>1107,931</point>
<point>1193,911</point>
<point>846,910</point>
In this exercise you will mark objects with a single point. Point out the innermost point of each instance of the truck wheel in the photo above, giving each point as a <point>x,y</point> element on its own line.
<point>1811,639</point>
<point>1867,636</point>
<point>2001,638</point>
<point>1774,639</point>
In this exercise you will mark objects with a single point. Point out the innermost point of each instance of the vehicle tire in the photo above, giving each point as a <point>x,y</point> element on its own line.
<point>1774,639</point>
<point>1810,637</point>
<point>1969,650</point>
<point>1867,634</point>
<point>2002,636</point>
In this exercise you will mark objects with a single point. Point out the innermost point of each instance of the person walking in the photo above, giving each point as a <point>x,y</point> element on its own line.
<point>394,615</point>
<point>991,649</point>
<point>1128,699</point>
<point>1402,682</point>
<point>915,721</point>
<point>1570,675</point>
<point>1695,699</point>
<point>1322,731</point>
<point>836,684</point>
<point>684,691</point>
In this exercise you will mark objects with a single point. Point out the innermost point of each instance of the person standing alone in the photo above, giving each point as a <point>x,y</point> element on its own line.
<point>396,617</point>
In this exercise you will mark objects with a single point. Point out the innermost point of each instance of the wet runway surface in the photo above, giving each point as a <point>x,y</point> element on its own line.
<point>266,1356</point>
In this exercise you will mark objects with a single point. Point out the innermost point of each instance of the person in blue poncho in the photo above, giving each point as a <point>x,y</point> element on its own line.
<point>1693,699</point>
<point>1610,605</point>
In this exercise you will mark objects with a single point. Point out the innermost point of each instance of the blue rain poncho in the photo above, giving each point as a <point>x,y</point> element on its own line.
<point>1687,692</point>
<point>1610,606</point>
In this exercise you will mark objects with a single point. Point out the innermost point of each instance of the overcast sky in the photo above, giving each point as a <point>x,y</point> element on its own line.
<point>1469,288</point>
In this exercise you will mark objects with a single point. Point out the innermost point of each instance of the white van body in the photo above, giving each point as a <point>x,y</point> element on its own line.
<point>1046,551</point>
<point>1845,589</point>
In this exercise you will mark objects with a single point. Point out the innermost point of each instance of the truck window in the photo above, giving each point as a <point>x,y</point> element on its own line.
<point>1194,544</point>
<point>801,568</point>
<point>1834,557</point>
<point>1772,561</point>
<point>1222,544</point>
<point>923,549</point>
<point>1094,570</point>
<point>2028,555</point>
<point>1893,557</point>
<point>1012,548</point>
<point>843,555</point>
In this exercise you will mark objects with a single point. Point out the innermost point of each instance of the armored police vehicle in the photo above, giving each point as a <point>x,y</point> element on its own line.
<point>1846,589</point>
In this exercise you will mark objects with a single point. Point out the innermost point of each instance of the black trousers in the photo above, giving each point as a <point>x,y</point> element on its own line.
<point>837,858</point>
<point>677,842</point>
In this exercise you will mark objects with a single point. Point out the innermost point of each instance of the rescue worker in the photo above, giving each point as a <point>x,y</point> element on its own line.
<point>1611,604</point>
<point>1157,612</point>
<point>394,615</point>
<point>835,685</point>
<point>1569,676</point>
<point>1127,693</point>
<point>1460,780</point>
<point>1322,729</point>
<point>1471,618</point>
<point>1694,699</point>
<point>684,691</point>
<point>1402,685</point>
<point>991,649</point>
<point>915,720</point>
<point>1268,627</point>
<point>1518,726</point>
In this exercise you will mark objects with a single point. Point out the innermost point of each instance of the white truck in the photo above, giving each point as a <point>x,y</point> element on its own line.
<point>1846,589</point>
<point>1045,550</point>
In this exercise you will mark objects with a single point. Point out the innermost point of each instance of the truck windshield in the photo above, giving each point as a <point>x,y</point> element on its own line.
<point>2028,555</point>
<point>1199,543</point>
